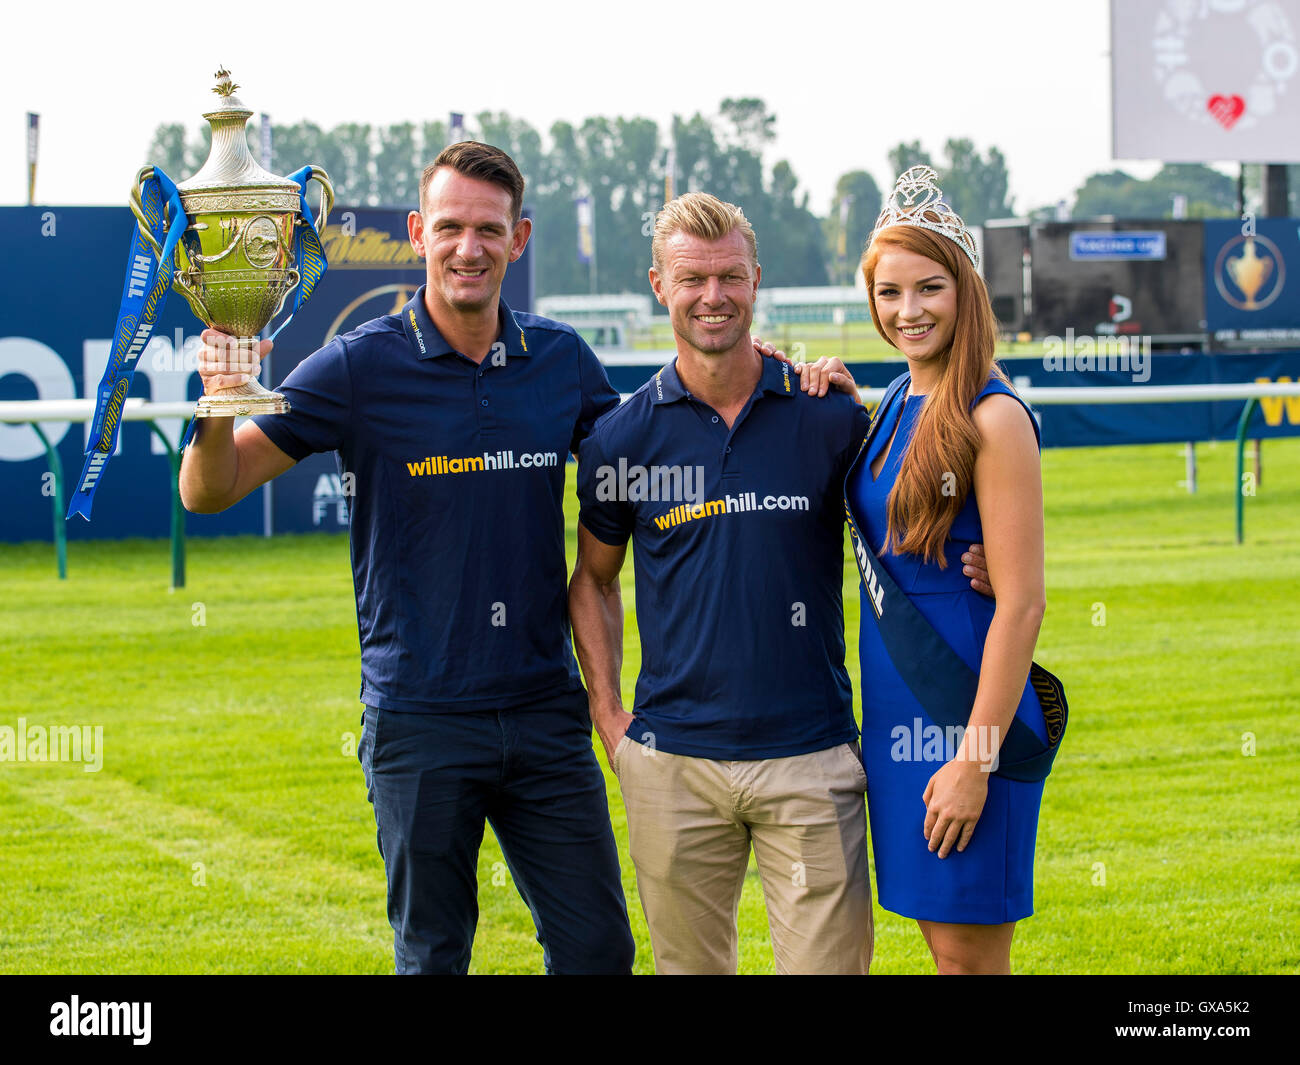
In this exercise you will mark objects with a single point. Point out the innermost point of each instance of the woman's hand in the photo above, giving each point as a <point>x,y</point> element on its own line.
<point>771,351</point>
<point>816,378</point>
<point>954,799</point>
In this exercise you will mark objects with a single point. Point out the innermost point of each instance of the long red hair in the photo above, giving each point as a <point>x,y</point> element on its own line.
<point>924,502</point>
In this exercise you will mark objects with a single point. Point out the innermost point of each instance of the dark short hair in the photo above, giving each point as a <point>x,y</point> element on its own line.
<point>482,162</point>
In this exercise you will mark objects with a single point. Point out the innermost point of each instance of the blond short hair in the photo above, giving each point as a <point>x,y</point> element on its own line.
<point>699,215</point>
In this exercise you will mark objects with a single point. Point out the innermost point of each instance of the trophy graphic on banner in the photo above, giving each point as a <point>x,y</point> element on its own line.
<point>1249,272</point>
<point>235,241</point>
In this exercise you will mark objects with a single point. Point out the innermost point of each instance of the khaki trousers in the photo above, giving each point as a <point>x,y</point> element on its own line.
<point>690,825</point>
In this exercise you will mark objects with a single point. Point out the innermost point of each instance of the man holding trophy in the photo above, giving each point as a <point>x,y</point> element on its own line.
<point>455,418</point>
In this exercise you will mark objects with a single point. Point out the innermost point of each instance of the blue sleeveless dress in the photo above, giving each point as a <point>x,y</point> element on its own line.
<point>992,880</point>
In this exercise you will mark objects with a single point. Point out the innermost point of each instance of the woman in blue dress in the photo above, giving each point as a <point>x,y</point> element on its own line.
<point>954,461</point>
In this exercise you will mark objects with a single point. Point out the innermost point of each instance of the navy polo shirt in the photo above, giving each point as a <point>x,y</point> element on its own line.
<point>457,518</point>
<point>738,586</point>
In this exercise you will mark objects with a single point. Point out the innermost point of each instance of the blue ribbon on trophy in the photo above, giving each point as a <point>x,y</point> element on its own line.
<point>144,293</point>
<point>308,253</point>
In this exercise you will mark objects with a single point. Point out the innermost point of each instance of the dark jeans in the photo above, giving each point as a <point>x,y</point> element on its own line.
<point>531,773</point>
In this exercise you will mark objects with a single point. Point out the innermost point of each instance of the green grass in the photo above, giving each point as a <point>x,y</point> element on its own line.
<point>228,829</point>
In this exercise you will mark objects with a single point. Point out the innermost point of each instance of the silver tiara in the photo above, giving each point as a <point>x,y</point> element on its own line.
<point>917,200</point>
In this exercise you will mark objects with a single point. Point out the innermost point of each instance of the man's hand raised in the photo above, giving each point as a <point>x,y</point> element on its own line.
<point>226,361</point>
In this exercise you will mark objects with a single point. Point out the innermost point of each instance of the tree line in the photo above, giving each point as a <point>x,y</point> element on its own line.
<point>623,163</point>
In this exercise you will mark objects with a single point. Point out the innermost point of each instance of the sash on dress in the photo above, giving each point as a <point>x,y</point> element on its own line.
<point>941,681</point>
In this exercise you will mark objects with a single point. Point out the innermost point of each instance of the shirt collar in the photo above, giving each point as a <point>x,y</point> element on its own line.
<point>666,386</point>
<point>429,343</point>
<point>776,377</point>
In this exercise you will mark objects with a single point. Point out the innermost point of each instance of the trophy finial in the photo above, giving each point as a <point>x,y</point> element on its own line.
<point>225,86</point>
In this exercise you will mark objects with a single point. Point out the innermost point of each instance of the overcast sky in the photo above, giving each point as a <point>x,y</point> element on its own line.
<point>846,81</point>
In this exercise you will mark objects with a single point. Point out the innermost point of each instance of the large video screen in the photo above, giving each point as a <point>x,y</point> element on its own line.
<point>1118,279</point>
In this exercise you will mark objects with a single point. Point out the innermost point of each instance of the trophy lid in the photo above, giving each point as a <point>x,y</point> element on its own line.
<point>230,164</point>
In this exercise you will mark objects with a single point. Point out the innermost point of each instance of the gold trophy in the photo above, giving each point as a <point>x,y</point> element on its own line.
<point>235,263</point>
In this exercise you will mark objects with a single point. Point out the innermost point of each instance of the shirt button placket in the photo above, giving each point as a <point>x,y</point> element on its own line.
<point>482,396</point>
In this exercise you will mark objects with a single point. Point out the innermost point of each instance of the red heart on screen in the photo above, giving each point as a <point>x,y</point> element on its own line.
<point>1226,109</point>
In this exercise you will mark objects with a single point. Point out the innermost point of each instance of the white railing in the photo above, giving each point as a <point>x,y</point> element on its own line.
<point>38,412</point>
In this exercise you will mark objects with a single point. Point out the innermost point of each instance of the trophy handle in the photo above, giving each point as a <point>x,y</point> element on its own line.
<point>181,283</point>
<point>284,295</point>
<point>137,209</point>
<point>326,196</point>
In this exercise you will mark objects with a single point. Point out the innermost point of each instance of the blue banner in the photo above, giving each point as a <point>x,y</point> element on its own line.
<point>1097,425</point>
<point>1252,280</point>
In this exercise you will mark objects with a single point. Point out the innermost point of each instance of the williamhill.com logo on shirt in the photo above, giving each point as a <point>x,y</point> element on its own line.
<point>744,503</point>
<point>436,465</point>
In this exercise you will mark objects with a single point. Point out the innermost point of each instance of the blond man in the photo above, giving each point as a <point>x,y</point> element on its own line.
<point>727,477</point>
